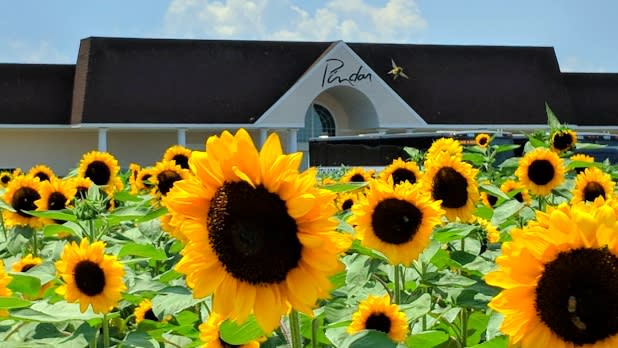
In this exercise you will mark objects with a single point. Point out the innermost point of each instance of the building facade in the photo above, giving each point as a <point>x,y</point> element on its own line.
<point>136,97</point>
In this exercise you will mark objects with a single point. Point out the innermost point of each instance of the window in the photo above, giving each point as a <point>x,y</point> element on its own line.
<point>318,121</point>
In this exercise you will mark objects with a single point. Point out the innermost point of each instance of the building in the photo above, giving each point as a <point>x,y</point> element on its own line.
<point>136,97</point>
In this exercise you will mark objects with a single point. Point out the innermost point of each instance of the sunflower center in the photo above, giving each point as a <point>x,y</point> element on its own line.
<point>145,181</point>
<point>379,322</point>
<point>357,178</point>
<point>181,160</point>
<point>252,233</point>
<point>227,345</point>
<point>56,201</point>
<point>541,171</point>
<point>451,187</point>
<point>149,314</point>
<point>347,204</point>
<point>89,278</point>
<point>492,199</point>
<point>593,190</point>
<point>42,176</point>
<point>563,141</point>
<point>5,179</point>
<point>166,180</point>
<point>23,199</point>
<point>519,197</point>
<point>482,141</point>
<point>576,296</point>
<point>27,267</point>
<point>395,221</point>
<point>98,172</point>
<point>401,175</point>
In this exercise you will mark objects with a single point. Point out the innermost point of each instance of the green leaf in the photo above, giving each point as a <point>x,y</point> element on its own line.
<point>512,162</point>
<point>474,158</point>
<point>477,323</point>
<point>452,232</point>
<point>552,120</point>
<point>581,164</point>
<point>427,339</point>
<point>172,300</point>
<point>125,196</point>
<point>418,307</point>
<point>13,302</point>
<point>233,333</point>
<point>589,146</point>
<point>506,147</point>
<point>54,215</point>
<point>505,211</point>
<point>142,250</point>
<point>368,339</point>
<point>53,313</point>
<point>351,186</point>
<point>25,284</point>
<point>494,191</point>
<point>53,230</point>
<point>496,342</point>
<point>455,280</point>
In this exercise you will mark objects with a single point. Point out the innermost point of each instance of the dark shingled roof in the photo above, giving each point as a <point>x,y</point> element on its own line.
<point>594,97</point>
<point>35,93</point>
<point>185,81</point>
<point>474,84</point>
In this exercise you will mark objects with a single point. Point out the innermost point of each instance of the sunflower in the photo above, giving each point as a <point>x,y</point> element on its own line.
<point>522,196</point>
<point>91,277</point>
<point>592,183</point>
<point>43,172</point>
<point>453,183</point>
<point>209,334</point>
<point>377,313</point>
<point>144,311</point>
<point>401,171</point>
<point>327,181</point>
<point>563,140</point>
<point>540,170</point>
<point>5,178</point>
<point>102,168</point>
<point>396,221</point>
<point>5,279</point>
<point>357,174</point>
<point>82,185</point>
<point>488,199</point>
<point>482,139</point>
<point>56,194</point>
<point>261,235</point>
<point>346,200</point>
<point>449,146</point>
<point>26,263</point>
<point>164,175</point>
<point>580,157</point>
<point>179,154</point>
<point>21,195</point>
<point>491,231</point>
<point>144,179</point>
<point>134,170</point>
<point>559,280</point>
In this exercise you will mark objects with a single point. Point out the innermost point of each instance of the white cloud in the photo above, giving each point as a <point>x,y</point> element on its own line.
<point>21,51</point>
<point>349,20</point>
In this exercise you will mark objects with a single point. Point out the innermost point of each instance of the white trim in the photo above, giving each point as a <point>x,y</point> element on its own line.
<point>102,139</point>
<point>182,136</point>
<point>292,140</point>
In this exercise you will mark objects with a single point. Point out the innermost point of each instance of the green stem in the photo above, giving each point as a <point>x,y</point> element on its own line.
<point>3,227</point>
<point>35,243</point>
<point>397,283</point>
<point>105,325</point>
<point>295,329</point>
<point>91,232</point>
<point>463,244</point>
<point>464,326</point>
<point>314,332</point>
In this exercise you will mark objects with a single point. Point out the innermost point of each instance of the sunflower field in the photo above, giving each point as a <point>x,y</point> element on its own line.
<point>235,246</point>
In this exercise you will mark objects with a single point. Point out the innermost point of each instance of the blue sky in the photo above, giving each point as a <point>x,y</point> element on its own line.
<point>582,33</point>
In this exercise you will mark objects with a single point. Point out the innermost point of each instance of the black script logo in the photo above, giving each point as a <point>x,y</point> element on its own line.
<point>332,75</point>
